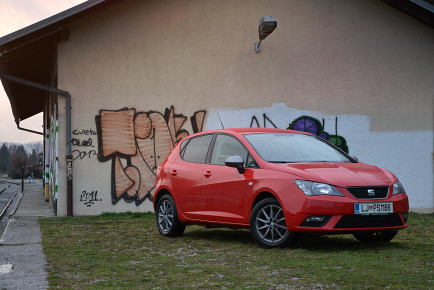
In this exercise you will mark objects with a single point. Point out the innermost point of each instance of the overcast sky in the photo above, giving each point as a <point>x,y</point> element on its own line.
<point>14,15</point>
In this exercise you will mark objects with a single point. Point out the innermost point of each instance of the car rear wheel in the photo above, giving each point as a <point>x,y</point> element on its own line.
<point>168,222</point>
<point>373,237</point>
<point>268,226</point>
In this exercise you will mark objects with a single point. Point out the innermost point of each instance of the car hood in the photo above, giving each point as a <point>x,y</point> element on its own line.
<point>338,174</point>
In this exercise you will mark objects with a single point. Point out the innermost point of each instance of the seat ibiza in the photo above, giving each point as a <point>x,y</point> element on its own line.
<point>277,183</point>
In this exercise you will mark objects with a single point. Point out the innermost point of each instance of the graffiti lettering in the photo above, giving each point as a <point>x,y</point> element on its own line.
<point>143,140</point>
<point>266,119</point>
<point>77,154</point>
<point>310,125</point>
<point>89,198</point>
<point>82,143</point>
<point>84,132</point>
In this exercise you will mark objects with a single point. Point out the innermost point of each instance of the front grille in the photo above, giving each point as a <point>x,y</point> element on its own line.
<point>369,221</point>
<point>371,192</point>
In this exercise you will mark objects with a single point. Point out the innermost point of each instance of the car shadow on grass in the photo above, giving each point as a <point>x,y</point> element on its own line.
<point>320,243</point>
<point>340,242</point>
<point>220,235</point>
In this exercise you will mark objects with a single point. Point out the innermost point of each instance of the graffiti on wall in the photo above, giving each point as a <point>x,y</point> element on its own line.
<point>307,124</point>
<point>84,144</point>
<point>89,198</point>
<point>137,143</point>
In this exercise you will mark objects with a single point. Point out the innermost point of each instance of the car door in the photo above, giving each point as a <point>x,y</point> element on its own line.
<point>223,187</point>
<point>186,175</point>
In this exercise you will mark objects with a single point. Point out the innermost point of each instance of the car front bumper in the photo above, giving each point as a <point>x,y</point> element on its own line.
<point>334,214</point>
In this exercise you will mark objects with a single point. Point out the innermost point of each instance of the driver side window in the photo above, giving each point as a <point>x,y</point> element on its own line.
<point>226,146</point>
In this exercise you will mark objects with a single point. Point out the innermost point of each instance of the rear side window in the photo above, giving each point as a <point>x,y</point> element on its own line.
<point>196,149</point>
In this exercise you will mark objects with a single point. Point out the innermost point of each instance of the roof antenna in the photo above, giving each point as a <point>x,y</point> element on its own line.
<point>220,120</point>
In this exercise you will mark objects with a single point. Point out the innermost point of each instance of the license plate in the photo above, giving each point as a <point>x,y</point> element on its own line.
<point>373,208</point>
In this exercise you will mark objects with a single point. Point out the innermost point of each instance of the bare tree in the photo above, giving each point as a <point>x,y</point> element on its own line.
<point>35,149</point>
<point>35,145</point>
<point>18,158</point>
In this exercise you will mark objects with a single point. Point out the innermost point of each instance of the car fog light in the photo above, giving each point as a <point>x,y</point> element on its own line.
<point>315,218</point>
<point>405,216</point>
<point>316,221</point>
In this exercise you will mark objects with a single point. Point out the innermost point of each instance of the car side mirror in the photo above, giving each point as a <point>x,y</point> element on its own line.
<point>237,162</point>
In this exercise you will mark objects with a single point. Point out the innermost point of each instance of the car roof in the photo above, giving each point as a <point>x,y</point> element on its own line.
<point>251,131</point>
<point>262,130</point>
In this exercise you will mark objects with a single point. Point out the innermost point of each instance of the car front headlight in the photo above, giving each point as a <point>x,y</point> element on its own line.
<point>398,188</point>
<point>315,188</point>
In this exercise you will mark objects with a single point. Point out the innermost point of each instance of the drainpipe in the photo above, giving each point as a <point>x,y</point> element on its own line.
<point>28,130</point>
<point>24,82</point>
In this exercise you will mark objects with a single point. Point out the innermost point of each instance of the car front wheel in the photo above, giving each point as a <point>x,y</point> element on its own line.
<point>373,237</point>
<point>168,222</point>
<point>268,226</point>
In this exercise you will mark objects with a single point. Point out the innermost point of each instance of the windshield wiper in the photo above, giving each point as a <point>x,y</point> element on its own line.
<point>282,161</point>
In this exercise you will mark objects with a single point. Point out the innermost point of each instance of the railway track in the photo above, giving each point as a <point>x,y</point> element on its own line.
<point>8,191</point>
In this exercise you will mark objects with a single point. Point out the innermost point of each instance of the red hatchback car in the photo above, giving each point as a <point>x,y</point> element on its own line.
<point>277,183</point>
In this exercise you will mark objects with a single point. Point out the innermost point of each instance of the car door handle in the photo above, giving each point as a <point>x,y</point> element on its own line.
<point>173,172</point>
<point>207,174</point>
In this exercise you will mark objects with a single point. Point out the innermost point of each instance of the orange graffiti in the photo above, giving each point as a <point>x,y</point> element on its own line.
<point>118,132</point>
<point>142,140</point>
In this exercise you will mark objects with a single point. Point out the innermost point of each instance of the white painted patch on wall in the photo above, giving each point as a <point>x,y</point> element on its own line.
<point>408,154</point>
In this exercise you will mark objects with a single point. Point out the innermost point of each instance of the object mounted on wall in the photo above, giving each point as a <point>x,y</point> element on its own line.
<point>266,26</point>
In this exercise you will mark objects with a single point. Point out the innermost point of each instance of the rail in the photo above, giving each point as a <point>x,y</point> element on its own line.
<point>5,208</point>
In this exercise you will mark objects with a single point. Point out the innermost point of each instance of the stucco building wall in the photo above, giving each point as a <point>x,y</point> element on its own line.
<point>362,66</point>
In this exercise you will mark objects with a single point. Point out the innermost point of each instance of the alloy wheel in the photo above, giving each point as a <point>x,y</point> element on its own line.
<point>270,224</point>
<point>165,216</point>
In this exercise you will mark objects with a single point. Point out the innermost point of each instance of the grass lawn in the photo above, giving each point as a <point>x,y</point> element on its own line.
<point>126,251</point>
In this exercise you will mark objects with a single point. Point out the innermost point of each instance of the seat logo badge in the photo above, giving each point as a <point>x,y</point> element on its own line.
<point>250,183</point>
<point>371,192</point>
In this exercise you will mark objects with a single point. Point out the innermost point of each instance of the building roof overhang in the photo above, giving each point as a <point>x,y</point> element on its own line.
<point>31,54</point>
<point>422,10</point>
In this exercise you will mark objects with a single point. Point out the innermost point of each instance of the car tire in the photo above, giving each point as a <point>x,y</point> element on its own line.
<point>168,223</point>
<point>268,226</point>
<point>374,237</point>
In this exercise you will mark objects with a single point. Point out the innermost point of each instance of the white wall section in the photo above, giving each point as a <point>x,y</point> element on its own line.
<point>407,154</point>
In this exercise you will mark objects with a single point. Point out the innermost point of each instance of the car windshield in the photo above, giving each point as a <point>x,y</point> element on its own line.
<point>293,148</point>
